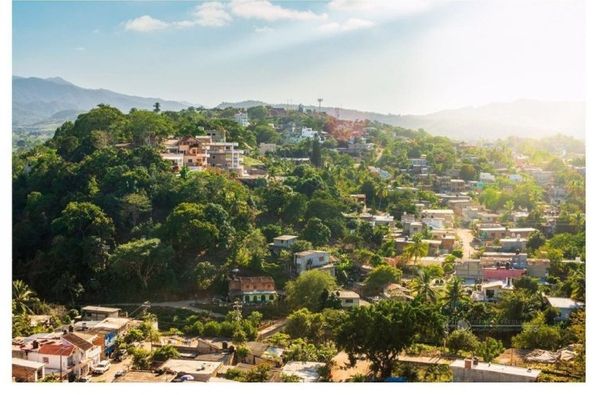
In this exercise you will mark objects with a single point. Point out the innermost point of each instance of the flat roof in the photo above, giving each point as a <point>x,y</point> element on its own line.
<point>347,294</point>
<point>191,366</point>
<point>563,303</point>
<point>307,371</point>
<point>101,309</point>
<point>310,252</point>
<point>522,229</point>
<point>27,364</point>
<point>285,237</point>
<point>492,367</point>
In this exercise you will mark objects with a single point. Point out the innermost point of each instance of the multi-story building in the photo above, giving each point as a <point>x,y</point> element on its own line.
<point>313,259</point>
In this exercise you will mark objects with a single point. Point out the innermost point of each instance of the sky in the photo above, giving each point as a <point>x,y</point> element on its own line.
<point>400,57</point>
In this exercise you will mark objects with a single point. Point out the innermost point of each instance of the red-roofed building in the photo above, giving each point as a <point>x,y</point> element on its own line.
<point>58,357</point>
<point>491,274</point>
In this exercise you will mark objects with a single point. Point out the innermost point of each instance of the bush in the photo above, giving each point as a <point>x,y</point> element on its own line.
<point>165,352</point>
<point>537,334</point>
<point>212,328</point>
<point>489,349</point>
<point>462,340</point>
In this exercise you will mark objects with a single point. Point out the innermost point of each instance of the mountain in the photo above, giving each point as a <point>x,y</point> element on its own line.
<point>525,118</point>
<point>42,104</point>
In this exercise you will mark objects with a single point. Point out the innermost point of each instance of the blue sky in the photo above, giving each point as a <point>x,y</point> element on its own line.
<point>410,56</point>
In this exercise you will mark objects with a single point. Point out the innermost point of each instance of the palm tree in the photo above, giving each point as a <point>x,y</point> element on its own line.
<point>422,287</point>
<point>24,299</point>
<point>455,295</point>
<point>417,248</point>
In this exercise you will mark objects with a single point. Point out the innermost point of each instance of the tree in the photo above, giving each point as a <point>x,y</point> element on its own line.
<point>316,232</point>
<point>423,287</point>
<point>489,349</point>
<point>380,332</point>
<point>163,353</point>
<point>24,300</point>
<point>526,283</point>
<point>535,241</point>
<point>315,153</point>
<point>462,340</point>
<point>416,249</point>
<point>142,258</point>
<point>454,297</point>
<point>468,172</point>
<point>537,334</point>
<point>306,290</point>
<point>380,277</point>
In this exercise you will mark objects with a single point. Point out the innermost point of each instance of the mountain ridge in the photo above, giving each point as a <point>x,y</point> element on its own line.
<point>42,104</point>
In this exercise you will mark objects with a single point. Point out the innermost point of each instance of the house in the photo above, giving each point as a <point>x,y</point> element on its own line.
<point>502,273</point>
<point>413,227</point>
<point>253,289</point>
<point>308,372</point>
<point>106,339</point>
<point>120,325</point>
<point>264,148</point>
<point>397,291</point>
<point>537,267</point>
<point>313,259</point>
<point>283,242</point>
<point>513,244</point>
<point>241,118</point>
<point>263,353</point>
<point>467,370</point>
<point>200,370</point>
<point>565,306</point>
<point>348,299</point>
<point>520,232</point>
<point>494,258</point>
<point>98,313</point>
<point>360,198</point>
<point>27,371</point>
<point>491,291</point>
<point>491,233</point>
<point>87,354</point>
<point>469,270</point>
<point>226,156</point>
<point>57,357</point>
<point>446,215</point>
<point>486,178</point>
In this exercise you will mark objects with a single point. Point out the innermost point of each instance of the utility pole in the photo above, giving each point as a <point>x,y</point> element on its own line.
<point>320,100</point>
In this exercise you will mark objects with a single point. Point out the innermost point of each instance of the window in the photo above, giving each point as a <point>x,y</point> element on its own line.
<point>321,258</point>
<point>247,298</point>
<point>45,360</point>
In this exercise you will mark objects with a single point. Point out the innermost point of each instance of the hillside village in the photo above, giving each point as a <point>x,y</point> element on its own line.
<point>277,245</point>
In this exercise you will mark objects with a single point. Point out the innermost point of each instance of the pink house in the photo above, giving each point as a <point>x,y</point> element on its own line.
<point>491,274</point>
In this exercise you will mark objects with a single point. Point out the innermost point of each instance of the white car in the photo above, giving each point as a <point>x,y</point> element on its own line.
<point>102,367</point>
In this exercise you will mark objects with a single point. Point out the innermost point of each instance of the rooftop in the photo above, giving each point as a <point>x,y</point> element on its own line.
<point>27,364</point>
<point>310,252</point>
<point>57,349</point>
<point>285,237</point>
<point>191,366</point>
<point>563,303</point>
<point>492,367</point>
<point>307,371</point>
<point>100,309</point>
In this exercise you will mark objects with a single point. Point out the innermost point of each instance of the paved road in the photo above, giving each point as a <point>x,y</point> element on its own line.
<point>467,238</point>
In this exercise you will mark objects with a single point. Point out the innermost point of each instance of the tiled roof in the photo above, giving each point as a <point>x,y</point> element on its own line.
<point>57,349</point>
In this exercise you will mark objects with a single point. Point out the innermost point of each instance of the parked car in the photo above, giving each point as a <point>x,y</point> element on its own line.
<point>120,373</point>
<point>102,367</point>
<point>83,379</point>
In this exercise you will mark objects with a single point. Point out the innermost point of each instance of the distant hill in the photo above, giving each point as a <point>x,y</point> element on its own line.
<point>525,118</point>
<point>42,104</point>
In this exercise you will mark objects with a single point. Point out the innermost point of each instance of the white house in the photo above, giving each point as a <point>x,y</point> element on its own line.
<point>565,306</point>
<point>487,177</point>
<point>242,118</point>
<point>284,241</point>
<point>348,299</point>
<point>313,259</point>
<point>307,371</point>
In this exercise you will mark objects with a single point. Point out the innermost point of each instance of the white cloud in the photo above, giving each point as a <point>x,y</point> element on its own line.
<point>263,29</point>
<point>212,14</point>
<point>265,10</point>
<point>347,25</point>
<point>145,24</point>
<point>395,7</point>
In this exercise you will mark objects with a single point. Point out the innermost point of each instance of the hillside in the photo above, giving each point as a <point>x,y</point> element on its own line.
<point>42,104</point>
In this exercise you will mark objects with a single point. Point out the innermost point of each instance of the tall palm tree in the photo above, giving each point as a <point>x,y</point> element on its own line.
<point>417,248</point>
<point>422,287</point>
<point>24,299</point>
<point>454,296</point>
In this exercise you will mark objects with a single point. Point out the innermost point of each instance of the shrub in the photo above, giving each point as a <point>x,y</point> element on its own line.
<point>462,340</point>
